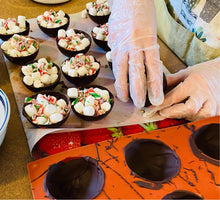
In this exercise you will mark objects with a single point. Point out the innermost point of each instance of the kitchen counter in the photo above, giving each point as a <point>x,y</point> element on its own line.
<point>14,152</point>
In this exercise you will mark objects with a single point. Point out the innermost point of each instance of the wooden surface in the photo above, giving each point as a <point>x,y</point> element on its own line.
<point>14,152</point>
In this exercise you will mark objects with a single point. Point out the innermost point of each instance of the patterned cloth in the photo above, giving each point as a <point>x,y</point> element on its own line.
<point>190,28</point>
<point>201,17</point>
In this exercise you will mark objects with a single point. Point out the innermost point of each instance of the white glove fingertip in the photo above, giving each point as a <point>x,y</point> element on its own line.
<point>122,98</point>
<point>156,100</point>
<point>139,103</point>
<point>122,92</point>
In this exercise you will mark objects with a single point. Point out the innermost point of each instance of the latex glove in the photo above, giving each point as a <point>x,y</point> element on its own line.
<point>133,42</point>
<point>200,85</point>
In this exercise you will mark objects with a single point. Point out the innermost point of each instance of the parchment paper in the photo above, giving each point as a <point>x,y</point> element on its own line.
<point>122,113</point>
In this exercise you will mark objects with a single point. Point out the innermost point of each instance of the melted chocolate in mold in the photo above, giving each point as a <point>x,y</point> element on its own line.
<point>113,157</point>
<point>173,184</point>
<point>111,144</point>
<point>106,195</point>
<point>191,127</point>
<point>186,180</point>
<point>151,160</point>
<point>204,143</point>
<point>212,175</point>
<point>194,173</point>
<point>148,185</point>
<point>107,166</point>
<point>181,194</point>
<point>75,178</point>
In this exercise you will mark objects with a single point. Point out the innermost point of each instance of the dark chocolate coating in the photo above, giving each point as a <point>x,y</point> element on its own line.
<point>52,32</point>
<point>101,43</point>
<point>77,178</point>
<point>110,65</point>
<point>70,53</point>
<point>181,194</point>
<point>205,143</point>
<point>151,160</point>
<point>25,32</point>
<point>99,19</point>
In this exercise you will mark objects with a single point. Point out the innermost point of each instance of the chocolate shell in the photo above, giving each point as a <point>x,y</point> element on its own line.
<point>74,178</point>
<point>58,95</point>
<point>204,143</point>
<point>101,43</point>
<point>24,59</point>
<point>151,160</point>
<point>99,19</point>
<point>46,87</point>
<point>82,80</point>
<point>181,194</point>
<point>52,32</point>
<point>70,53</point>
<point>25,32</point>
<point>98,117</point>
<point>110,64</point>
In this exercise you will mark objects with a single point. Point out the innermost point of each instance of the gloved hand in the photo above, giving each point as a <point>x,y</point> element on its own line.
<point>133,42</point>
<point>199,86</point>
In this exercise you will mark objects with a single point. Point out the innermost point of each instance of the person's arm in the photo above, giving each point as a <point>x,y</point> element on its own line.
<point>134,49</point>
<point>196,95</point>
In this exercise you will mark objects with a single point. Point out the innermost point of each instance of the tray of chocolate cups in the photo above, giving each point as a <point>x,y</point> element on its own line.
<point>51,21</point>
<point>20,49</point>
<point>179,162</point>
<point>13,26</point>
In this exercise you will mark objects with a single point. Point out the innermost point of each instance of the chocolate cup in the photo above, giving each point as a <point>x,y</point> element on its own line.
<point>151,160</point>
<point>46,87</point>
<point>204,143</point>
<point>147,102</point>
<point>24,59</point>
<point>181,194</point>
<point>99,19</point>
<point>70,53</point>
<point>93,118</point>
<point>101,43</point>
<point>52,32</point>
<point>74,178</point>
<point>58,96</point>
<point>82,80</point>
<point>25,32</point>
<point>110,64</point>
